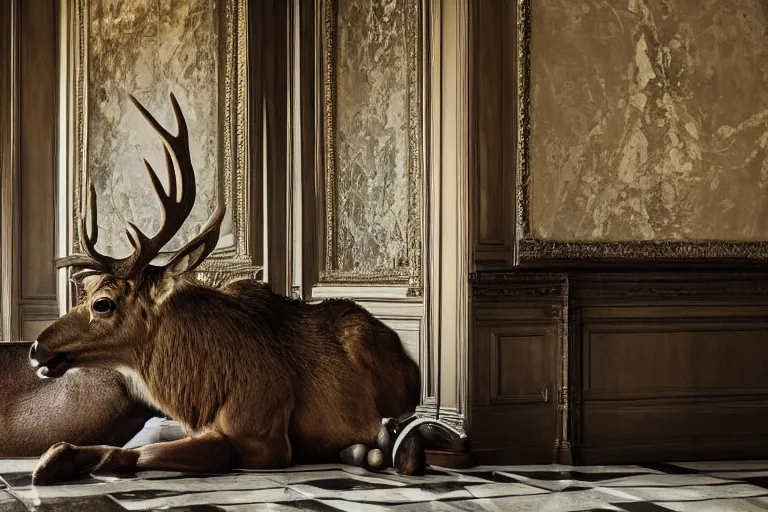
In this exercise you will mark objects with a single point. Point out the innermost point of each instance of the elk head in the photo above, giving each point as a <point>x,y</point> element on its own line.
<point>124,296</point>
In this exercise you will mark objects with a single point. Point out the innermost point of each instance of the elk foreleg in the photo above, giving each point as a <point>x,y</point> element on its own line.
<point>209,453</point>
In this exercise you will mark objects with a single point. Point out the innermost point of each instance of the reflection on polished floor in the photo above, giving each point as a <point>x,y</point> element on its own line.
<point>702,486</point>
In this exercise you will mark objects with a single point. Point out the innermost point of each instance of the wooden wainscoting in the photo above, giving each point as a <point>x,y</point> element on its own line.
<point>518,346</point>
<point>660,367</point>
<point>669,367</point>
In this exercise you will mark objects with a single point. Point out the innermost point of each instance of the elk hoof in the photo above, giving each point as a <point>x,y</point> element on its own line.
<point>64,461</point>
<point>57,464</point>
<point>116,462</point>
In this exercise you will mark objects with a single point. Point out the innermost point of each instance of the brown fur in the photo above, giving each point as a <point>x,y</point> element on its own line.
<point>92,406</point>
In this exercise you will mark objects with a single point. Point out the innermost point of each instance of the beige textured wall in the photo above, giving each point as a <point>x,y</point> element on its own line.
<point>649,119</point>
<point>149,48</point>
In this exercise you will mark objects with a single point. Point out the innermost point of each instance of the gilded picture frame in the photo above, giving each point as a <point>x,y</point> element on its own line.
<point>408,271</point>
<point>530,249</point>
<point>236,256</point>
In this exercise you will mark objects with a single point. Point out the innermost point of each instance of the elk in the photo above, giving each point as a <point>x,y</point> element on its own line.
<point>258,380</point>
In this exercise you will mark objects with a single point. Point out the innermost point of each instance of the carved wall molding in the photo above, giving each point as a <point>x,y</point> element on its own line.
<point>447,227</point>
<point>463,17</point>
<point>428,408</point>
<point>9,181</point>
<point>234,179</point>
<point>431,194</point>
<point>670,286</point>
<point>491,286</point>
<point>563,445</point>
<point>408,270</point>
<point>532,250</point>
<point>523,95</point>
<point>529,249</point>
<point>575,361</point>
<point>453,417</point>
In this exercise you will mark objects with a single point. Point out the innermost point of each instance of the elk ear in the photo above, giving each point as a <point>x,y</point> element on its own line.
<point>190,258</point>
<point>194,253</point>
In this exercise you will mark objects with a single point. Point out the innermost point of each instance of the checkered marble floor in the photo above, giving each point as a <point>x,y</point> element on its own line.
<point>702,486</point>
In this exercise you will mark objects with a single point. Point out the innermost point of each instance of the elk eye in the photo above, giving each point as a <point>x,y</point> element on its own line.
<point>103,306</point>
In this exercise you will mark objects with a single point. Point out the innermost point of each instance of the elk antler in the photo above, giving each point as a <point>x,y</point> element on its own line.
<point>177,204</point>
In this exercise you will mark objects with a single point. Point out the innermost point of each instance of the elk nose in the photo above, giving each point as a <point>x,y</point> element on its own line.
<point>39,355</point>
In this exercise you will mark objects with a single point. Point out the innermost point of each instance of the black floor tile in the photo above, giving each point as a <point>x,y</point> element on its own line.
<point>196,508</point>
<point>145,494</point>
<point>671,469</point>
<point>309,505</point>
<point>492,476</point>
<point>643,506</point>
<point>345,484</point>
<point>602,477</point>
<point>760,481</point>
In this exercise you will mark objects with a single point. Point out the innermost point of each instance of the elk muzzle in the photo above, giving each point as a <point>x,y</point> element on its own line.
<point>48,364</point>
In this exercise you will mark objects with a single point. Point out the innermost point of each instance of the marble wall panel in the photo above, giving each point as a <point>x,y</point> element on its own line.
<point>649,120</point>
<point>149,48</point>
<point>375,175</point>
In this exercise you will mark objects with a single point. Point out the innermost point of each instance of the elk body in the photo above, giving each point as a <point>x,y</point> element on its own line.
<point>258,380</point>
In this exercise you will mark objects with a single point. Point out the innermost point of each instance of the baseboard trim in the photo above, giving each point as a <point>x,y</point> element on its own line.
<point>450,460</point>
<point>693,450</point>
<point>515,455</point>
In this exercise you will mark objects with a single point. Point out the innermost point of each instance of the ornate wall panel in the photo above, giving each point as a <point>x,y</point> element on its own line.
<point>643,129</point>
<point>35,209</point>
<point>371,109</point>
<point>151,48</point>
<point>28,78</point>
<point>492,182</point>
